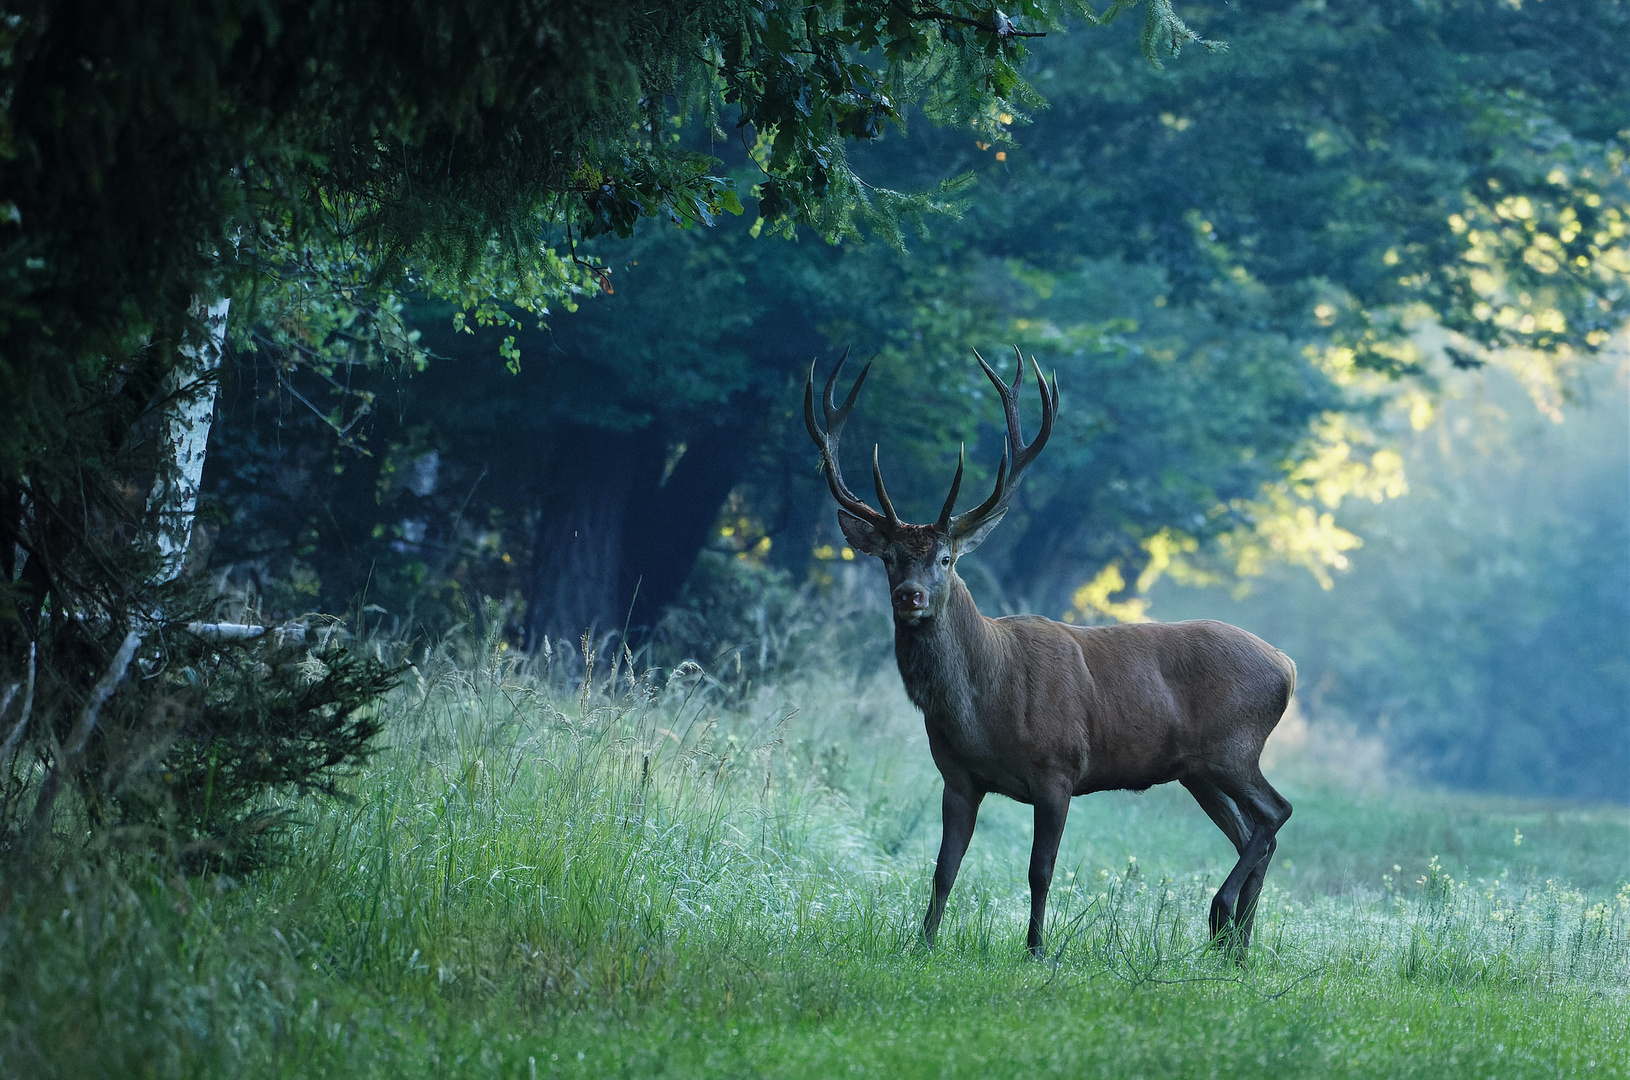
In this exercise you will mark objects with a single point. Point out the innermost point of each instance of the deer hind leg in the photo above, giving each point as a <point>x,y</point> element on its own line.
<point>1245,906</point>
<point>1267,811</point>
<point>959,812</point>
<point>1235,825</point>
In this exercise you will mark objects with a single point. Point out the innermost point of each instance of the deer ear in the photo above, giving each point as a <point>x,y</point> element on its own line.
<point>861,536</point>
<point>977,537</point>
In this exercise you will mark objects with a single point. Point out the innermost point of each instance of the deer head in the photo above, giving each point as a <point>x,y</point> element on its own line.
<point>921,559</point>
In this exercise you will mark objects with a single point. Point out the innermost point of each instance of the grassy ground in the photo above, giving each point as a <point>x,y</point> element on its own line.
<point>680,880</point>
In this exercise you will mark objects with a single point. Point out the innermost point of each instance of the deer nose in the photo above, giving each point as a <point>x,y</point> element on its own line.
<point>910,596</point>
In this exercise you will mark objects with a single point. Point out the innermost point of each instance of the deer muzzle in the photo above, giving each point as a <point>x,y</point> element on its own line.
<point>910,601</point>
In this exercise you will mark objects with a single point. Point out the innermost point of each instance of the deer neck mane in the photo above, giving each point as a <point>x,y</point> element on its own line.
<point>940,657</point>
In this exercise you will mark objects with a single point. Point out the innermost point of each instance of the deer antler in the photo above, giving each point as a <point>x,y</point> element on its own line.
<point>827,442</point>
<point>1016,454</point>
<point>1016,451</point>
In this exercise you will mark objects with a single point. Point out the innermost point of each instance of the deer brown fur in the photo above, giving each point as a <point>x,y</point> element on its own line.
<point>1041,711</point>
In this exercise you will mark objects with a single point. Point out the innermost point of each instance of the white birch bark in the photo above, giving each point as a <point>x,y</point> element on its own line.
<point>185,431</point>
<point>226,631</point>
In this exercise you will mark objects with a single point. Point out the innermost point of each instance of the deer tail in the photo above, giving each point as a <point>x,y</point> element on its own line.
<point>1288,666</point>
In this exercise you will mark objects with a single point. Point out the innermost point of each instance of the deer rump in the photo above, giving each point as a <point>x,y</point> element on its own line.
<point>1041,711</point>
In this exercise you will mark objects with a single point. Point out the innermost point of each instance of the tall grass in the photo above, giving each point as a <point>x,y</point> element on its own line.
<point>577,866</point>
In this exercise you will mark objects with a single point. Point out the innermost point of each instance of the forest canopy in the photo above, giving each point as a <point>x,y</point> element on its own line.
<point>1219,256</point>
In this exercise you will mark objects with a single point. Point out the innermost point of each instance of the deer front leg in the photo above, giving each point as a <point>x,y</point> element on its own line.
<point>959,811</point>
<point>1051,812</point>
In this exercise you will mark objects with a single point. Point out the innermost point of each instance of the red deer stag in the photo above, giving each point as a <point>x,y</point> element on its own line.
<point>1041,711</point>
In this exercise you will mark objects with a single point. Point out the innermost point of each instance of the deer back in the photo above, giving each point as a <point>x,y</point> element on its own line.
<point>1025,702</point>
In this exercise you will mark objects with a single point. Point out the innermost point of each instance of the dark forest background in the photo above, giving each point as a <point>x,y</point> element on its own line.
<point>1242,268</point>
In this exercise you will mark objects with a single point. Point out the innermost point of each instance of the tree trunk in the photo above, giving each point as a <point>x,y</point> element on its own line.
<point>620,532</point>
<point>671,521</point>
<point>578,555</point>
<point>184,439</point>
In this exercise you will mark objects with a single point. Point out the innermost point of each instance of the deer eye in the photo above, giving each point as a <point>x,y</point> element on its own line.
<point>945,560</point>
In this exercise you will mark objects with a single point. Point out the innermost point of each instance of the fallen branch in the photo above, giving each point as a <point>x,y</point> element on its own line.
<point>225,631</point>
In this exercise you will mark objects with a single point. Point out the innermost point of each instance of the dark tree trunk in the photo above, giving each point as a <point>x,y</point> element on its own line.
<point>616,539</point>
<point>669,522</point>
<point>577,560</point>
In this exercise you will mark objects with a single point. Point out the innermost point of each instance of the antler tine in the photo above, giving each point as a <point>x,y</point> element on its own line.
<point>1016,451</point>
<point>1010,405</point>
<point>836,416</point>
<point>964,522</point>
<point>1049,411</point>
<point>882,495</point>
<point>827,442</point>
<point>809,408</point>
<point>944,522</point>
<point>995,379</point>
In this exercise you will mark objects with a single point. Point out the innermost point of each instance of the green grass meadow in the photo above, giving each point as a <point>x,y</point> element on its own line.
<point>683,878</point>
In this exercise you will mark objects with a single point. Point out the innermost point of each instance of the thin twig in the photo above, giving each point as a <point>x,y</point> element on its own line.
<point>601,274</point>
<point>114,675</point>
<point>68,758</point>
<point>341,432</point>
<point>16,735</point>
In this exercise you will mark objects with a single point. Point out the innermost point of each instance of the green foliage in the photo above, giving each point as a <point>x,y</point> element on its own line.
<point>1484,628</point>
<point>185,753</point>
<point>156,155</point>
<point>1363,165</point>
<point>1223,235</point>
<point>731,609</point>
<point>237,725</point>
<point>1170,420</point>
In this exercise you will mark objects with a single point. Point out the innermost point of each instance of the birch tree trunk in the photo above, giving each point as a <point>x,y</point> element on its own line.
<point>184,431</point>
<point>184,438</point>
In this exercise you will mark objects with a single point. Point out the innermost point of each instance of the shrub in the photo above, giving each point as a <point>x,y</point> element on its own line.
<point>188,739</point>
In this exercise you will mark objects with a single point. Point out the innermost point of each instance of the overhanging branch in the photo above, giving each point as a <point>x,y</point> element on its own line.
<point>1001,27</point>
